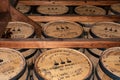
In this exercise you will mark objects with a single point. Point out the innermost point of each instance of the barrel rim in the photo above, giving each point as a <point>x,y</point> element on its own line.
<point>105,70</point>
<point>92,53</point>
<point>24,23</point>
<point>23,5</point>
<point>93,34</point>
<point>31,55</point>
<point>90,6</point>
<point>24,63</point>
<point>17,77</point>
<point>96,72</point>
<point>112,8</point>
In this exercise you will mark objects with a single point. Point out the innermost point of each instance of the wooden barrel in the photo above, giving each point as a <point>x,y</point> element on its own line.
<point>19,30</point>
<point>89,10</point>
<point>105,30</point>
<point>12,65</point>
<point>114,9</point>
<point>62,29</point>
<point>52,9</point>
<point>62,63</point>
<point>23,8</point>
<point>109,65</point>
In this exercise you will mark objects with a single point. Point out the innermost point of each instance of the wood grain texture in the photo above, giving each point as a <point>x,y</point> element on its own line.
<point>75,18</point>
<point>58,43</point>
<point>69,2</point>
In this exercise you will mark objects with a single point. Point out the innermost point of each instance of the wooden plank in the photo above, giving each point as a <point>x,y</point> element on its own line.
<point>70,2</point>
<point>55,43</point>
<point>75,18</point>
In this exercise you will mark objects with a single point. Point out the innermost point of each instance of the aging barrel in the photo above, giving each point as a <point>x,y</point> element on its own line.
<point>12,65</point>
<point>25,9</point>
<point>62,63</point>
<point>52,9</point>
<point>62,29</point>
<point>109,65</point>
<point>22,30</point>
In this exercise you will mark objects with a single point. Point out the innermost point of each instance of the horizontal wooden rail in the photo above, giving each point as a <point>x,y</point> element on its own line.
<point>74,18</point>
<point>55,43</point>
<point>70,2</point>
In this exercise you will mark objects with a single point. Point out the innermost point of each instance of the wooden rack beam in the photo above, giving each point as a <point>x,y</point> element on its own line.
<point>70,2</point>
<point>55,43</point>
<point>4,15</point>
<point>75,18</point>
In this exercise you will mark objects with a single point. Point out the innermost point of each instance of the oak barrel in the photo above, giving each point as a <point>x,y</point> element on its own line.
<point>89,10</point>
<point>62,63</point>
<point>109,65</point>
<point>23,8</point>
<point>12,65</point>
<point>21,30</point>
<point>62,29</point>
<point>52,9</point>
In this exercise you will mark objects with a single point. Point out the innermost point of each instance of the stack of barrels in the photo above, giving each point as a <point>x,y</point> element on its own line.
<point>88,10</point>
<point>21,30</point>
<point>103,30</point>
<point>108,67</point>
<point>62,9</point>
<point>62,63</point>
<point>62,30</point>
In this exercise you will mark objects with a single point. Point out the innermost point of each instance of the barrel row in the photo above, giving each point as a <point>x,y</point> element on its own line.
<point>94,30</point>
<point>61,29</point>
<point>60,64</point>
<point>63,10</point>
<point>66,29</point>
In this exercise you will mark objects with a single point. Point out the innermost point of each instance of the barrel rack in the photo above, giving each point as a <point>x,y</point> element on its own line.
<point>8,13</point>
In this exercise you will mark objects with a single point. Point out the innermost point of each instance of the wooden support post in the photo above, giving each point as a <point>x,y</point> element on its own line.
<point>4,15</point>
